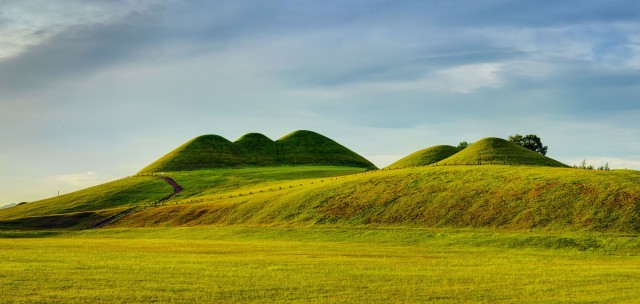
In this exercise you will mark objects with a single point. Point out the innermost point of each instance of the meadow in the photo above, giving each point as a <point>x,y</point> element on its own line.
<point>317,265</point>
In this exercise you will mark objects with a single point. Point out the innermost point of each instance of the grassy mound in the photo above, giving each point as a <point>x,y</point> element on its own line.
<point>492,196</point>
<point>306,147</point>
<point>493,150</point>
<point>205,151</point>
<point>254,149</point>
<point>128,191</point>
<point>425,157</point>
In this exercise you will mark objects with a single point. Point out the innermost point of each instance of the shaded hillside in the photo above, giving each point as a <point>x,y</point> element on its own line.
<point>426,156</point>
<point>499,151</point>
<point>254,149</point>
<point>504,197</point>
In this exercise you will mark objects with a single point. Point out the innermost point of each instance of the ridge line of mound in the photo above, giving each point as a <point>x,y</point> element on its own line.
<point>254,149</point>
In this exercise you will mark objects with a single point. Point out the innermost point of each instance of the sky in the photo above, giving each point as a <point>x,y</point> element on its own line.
<point>94,90</point>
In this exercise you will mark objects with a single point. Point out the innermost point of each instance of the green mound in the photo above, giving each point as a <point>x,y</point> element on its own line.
<point>205,151</point>
<point>425,157</point>
<point>493,150</point>
<point>254,149</point>
<point>306,147</point>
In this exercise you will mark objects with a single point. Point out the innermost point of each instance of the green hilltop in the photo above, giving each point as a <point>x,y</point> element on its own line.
<point>254,149</point>
<point>425,157</point>
<point>493,150</point>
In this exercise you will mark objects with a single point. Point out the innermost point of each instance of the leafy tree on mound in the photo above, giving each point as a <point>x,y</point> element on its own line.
<point>531,142</point>
<point>462,145</point>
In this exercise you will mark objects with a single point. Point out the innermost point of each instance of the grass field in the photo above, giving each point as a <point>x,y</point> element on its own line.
<point>317,265</point>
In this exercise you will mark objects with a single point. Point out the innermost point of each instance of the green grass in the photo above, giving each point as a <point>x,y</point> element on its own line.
<point>496,196</point>
<point>318,265</point>
<point>220,181</point>
<point>425,157</point>
<point>254,149</point>
<point>499,151</point>
<point>123,192</point>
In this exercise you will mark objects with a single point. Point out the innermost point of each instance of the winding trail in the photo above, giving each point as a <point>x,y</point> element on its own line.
<point>116,217</point>
<point>176,189</point>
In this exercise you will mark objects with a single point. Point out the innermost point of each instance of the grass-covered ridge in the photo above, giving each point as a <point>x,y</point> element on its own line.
<point>425,157</point>
<point>119,193</point>
<point>493,150</point>
<point>254,149</point>
<point>493,196</point>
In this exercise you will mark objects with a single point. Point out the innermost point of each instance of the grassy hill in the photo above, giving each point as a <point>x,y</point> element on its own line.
<point>425,157</point>
<point>499,151</point>
<point>254,149</point>
<point>306,147</point>
<point>123,192</point>
<point>493,196</point>
<point>83,208</point>
<point>201,152</point>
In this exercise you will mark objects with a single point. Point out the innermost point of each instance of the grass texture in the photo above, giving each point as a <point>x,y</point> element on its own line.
<point>496,196</point>
<point>318,265</point>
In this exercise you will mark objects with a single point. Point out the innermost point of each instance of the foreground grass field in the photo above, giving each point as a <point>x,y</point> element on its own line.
<point>317,265</point>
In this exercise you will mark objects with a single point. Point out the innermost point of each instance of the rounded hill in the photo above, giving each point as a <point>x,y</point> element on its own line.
<point>499,151</point>
<point>205,151</point>
<point>311,148</point>
<point>255,149</point>
<point>425,156</point>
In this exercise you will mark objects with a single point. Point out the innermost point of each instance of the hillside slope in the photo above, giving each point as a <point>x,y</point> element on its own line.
<point>425,157</point>
<point>128,191</point>
<point>499,151</point>
<point>494,196</point>
<point>254,149</point>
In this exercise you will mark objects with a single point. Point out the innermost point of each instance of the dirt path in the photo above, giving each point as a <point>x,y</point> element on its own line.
<point>176,189</point>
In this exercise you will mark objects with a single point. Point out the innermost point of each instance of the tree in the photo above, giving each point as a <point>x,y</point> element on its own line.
<point>462,145</point>
<point>531,142</point>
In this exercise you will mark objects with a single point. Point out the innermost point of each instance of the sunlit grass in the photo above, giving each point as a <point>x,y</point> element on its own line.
<point>322,265</point>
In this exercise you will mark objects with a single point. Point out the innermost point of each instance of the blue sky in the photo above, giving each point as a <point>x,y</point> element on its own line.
<point>95,90</point>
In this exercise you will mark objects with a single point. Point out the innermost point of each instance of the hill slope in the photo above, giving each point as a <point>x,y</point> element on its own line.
<point>307,147</point>
<point>254,149</point>
<point>128,191</point>
<point>495,196</point>
<point>426,156</point>
<point>499,151</point>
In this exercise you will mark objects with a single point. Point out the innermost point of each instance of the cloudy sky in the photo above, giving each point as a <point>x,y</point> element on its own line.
<point>95,90</point>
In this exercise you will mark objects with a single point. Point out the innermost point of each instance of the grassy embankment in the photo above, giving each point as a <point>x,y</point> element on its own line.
<point>82,209</point>
<point>494,196</point>
<point>319,265</point>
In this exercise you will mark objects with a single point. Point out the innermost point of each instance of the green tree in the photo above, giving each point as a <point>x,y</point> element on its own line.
<point>462,145</point>
<point>531,142</point>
